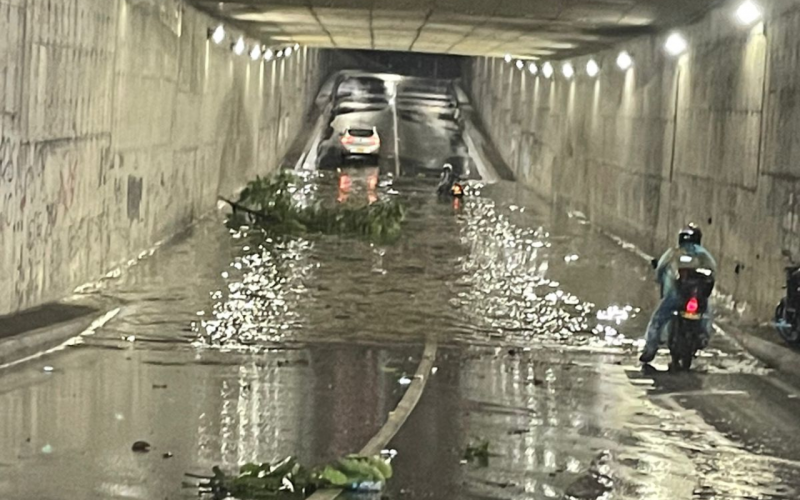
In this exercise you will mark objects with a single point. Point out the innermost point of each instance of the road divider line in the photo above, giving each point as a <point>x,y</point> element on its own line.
<point>397,417</point>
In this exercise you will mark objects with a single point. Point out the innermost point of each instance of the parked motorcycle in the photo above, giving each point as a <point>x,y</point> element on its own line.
<point>685,331</point>
<point>787,314</point>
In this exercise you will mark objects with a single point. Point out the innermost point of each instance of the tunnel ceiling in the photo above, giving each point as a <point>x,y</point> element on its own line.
<point>524,28</point>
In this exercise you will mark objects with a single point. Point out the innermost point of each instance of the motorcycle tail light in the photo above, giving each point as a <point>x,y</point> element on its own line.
<point>692,306</point>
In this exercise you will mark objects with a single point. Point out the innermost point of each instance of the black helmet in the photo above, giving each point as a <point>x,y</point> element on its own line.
<point>690,234</point>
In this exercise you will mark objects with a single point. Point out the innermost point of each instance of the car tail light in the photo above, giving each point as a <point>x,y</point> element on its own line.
<point>348,139</point>
<point>692,306</point>
<point>375,140</point>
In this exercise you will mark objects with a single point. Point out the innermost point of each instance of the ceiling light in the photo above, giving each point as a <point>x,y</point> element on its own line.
<point>624,61</point>
<point>568,70</point>
<point>748,12</point>
<point>592,69</point>
<point>547,70</point>
<point>520,64</point>
<point>296,47</point>
<point>279,54</point>
<point>676,44</point>
<point>287,51</point>
<point>255,52</point>
<point>507,58</point>
<point>268,55</point>
<point>218,35</point>
<point>533,68</point>
<point>238,47</point>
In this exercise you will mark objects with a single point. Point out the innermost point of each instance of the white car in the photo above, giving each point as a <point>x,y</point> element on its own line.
<point>361,142</point>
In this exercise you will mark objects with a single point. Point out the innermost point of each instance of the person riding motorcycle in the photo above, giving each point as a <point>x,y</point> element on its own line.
<point>689,254</point>
<point>448,183</point>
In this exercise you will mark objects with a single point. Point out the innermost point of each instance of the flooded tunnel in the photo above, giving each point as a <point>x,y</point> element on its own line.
<point>225,241</point>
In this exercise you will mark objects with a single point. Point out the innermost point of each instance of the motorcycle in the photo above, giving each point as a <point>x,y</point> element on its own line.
<point>787,314</point>
<point>449,185</point>
<point>685,331</point>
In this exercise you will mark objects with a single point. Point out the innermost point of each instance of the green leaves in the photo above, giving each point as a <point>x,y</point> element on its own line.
<point>288,480</point>
<point>269,204</point>
<point>478,452</point>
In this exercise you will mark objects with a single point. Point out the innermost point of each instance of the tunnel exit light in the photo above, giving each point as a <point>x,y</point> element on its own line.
<point>592,68</point>
<point>624,61</point>
<point>676,44</point>
<point>748,13</point>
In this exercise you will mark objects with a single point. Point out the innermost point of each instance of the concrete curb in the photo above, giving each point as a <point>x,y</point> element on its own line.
<point>396,418</point>
<point>783,359</point>
<point>28,345</point>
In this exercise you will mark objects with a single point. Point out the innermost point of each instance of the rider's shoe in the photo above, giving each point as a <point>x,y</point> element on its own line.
<point>647,356</point>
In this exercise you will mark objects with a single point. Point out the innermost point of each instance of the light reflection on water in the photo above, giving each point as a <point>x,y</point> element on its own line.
<point>250,380</point>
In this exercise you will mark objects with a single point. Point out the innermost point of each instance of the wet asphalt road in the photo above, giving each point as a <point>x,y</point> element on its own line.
<point>229,349</point>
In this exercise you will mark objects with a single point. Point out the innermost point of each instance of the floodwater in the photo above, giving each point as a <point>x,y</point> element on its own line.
<point>230,348</point>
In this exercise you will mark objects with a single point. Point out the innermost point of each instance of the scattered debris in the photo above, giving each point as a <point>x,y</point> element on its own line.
<point>404,381</point>
<point>477,453</point>
<point>159,386</point>
<point>48,369</point>
<point>288,479</point>
<point>141,447</point>
<point>167,455</point>
<point>47,449</point>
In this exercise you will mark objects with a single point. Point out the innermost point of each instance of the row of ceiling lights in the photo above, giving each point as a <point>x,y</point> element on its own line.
<point>218,35</point>
<point>747,14</point>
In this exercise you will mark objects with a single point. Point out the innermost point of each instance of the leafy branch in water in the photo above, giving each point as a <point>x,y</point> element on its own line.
<point>289,480</point>
<point>478,452</point>
<point>269,203</point>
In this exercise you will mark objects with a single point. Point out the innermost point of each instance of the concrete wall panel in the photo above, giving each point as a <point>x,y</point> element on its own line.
<point>710,136</point>
<point>119,125</point>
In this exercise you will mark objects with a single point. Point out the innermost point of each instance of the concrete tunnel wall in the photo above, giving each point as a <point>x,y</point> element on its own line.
<point>711,137</point>
<point>119,125</point>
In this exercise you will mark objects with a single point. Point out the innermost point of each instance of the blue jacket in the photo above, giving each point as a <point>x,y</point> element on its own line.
<point>686,255</point>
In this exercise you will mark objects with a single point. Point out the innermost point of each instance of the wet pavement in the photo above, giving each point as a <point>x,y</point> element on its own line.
<point>228,348</point>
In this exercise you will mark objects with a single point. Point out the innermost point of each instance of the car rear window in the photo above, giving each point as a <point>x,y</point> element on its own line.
<point>360,132</point>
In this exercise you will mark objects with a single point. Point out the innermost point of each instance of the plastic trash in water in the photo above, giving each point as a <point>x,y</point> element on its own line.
<point>405,381</point>
<point>367,486</point>
<point>48,369</point>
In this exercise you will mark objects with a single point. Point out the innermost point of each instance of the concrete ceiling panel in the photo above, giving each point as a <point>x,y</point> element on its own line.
<point>561,28</point>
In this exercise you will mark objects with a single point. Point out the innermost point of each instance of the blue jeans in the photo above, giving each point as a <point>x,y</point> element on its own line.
<point>663,314</point>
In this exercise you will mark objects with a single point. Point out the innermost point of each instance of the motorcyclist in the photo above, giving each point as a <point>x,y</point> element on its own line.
<point>689,254</point>
<point>447,179</point>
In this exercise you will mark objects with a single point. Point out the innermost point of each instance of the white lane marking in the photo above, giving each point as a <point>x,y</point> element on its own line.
<point>396,132</point>
<point>90,330</point>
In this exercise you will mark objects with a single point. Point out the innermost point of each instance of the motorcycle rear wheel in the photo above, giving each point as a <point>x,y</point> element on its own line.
<point>680,348</point>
